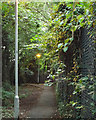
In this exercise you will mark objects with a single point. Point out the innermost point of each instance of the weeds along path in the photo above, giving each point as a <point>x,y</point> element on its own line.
<point>46,104</point>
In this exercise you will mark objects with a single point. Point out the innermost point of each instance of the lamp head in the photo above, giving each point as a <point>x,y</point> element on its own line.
<point>38,55</point>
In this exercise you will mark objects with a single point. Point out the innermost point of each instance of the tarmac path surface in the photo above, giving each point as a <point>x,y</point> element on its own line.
<point>46,104</point>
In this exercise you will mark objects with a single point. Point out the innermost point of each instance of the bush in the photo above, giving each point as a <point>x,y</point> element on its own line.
<point>7,95</point>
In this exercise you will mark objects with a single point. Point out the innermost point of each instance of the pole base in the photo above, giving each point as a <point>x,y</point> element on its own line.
<point>16,107</point>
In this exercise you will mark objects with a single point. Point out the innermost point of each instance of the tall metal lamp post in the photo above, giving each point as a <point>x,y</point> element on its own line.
<point>38,55</point>
<point>16,99</point>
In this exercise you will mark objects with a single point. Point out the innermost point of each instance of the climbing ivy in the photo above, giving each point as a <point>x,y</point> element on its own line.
<point>65,20</point>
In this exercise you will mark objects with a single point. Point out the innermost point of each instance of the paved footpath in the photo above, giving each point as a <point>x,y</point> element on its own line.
<point>46,104</point>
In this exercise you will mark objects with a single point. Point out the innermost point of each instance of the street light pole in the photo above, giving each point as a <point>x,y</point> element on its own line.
<point>16,99</point>
<point>38,55</point>
<point>38,70</point>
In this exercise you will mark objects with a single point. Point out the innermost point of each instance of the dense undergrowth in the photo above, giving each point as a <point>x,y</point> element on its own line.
<point>8,94</point>
<point>7,100</point>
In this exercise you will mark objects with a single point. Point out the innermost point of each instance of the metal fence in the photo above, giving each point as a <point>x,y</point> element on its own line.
<point>87,67</point>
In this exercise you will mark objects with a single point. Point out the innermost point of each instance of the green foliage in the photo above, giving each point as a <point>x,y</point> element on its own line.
<point>31,17</point>
<point>65,19</point>
<point>48,82</point>
<point>8,95</point>
<point>65,109</point>
<point>7,113</point>
<point>47,28</point>
<point>65,49</point>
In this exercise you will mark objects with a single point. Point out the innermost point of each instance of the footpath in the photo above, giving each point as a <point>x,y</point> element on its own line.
<point>45,107</point>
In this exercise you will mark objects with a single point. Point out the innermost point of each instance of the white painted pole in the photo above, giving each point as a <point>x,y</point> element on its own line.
<point>16,99</point>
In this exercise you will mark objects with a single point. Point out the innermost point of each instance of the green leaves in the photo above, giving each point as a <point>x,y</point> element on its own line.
<point>65,49</point>
<point>60,45</point>
<point>79,107</point>
<point>68,40</point>
<point>73,103</point>
<point>83,78</point>
<point>67,43</point>
<point>61,22</point>
<point>69,15</point>
<point>74,28</point>
<point>80,17</point>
